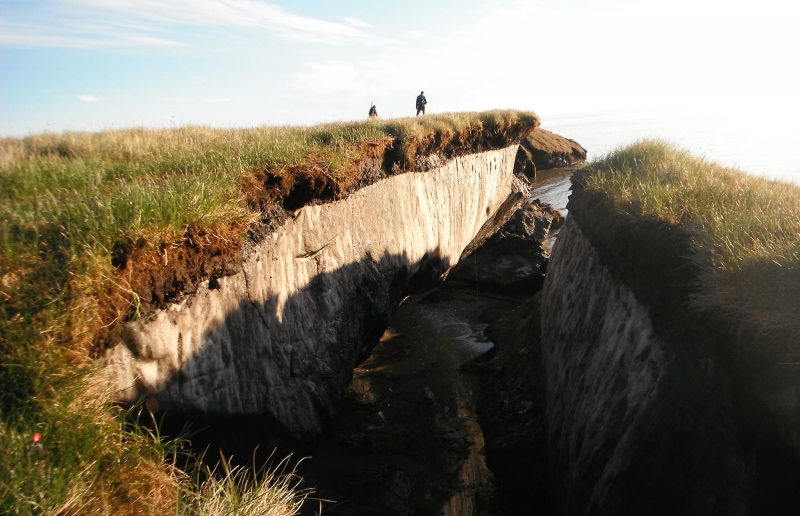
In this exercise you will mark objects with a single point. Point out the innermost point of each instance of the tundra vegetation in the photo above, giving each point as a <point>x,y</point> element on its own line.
<point>745,233</point>
<point>66,202</point>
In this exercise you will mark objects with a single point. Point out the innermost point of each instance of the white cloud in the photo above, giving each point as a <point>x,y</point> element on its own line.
<point>82,34</point>
<point>157,22</point>
<point>206,100</point>
<point>416,33</point>
<point>142,40</point>
<point>356,22</point>
<point>626,55</point>
<point>87,98</point>
<point>331,77</point>
<point>256,14</point>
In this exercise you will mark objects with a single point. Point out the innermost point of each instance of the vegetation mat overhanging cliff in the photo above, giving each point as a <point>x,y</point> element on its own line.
<point>745,234</point>
<point>86,219</point>
<point>541,150</point>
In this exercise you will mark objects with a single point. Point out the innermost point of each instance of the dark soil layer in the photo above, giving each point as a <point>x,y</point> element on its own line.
<point>511,411</point>
<point>181,266</point>
<point>542,150</point>
<point>161,277</point>
<point>406,440</point>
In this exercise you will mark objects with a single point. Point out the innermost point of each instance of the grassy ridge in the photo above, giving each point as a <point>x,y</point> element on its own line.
<point>746,229</point>
<point>64,202</point>
<point>138,180</point>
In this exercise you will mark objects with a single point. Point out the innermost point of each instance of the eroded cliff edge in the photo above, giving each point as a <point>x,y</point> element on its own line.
<point>652,406</point>
<point>279,339</point>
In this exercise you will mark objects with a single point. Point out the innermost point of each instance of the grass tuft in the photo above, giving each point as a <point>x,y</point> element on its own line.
<point>746,228</point>
<point>90,458</point>
<point>245,492</point>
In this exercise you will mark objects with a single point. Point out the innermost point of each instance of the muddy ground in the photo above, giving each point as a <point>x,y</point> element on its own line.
<point>436,421</point>
<point>408,439</point>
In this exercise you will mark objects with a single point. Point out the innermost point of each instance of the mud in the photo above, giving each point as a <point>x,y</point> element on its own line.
<point>407,440</point>
<point>511,410</point>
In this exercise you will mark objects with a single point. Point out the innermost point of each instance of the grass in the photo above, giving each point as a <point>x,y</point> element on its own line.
<point>92,461</point>
<point>244,492</point>
<point>155,182</point>
<point>65,201</point>
<point>746,229</point>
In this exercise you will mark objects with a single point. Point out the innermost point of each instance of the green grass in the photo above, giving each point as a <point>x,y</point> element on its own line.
<point>65,199</point>
<point>100,184</point>
<point>92,461</point>
<point>746,228</point>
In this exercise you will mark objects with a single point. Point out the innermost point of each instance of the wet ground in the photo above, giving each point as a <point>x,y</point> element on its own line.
<point>407,440</point>
<point>552,187</point>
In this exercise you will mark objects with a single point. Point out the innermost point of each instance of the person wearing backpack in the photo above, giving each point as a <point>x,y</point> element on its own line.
<point>421,101</point>
<point>373,111</point>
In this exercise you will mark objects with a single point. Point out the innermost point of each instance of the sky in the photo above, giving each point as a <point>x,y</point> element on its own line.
<point>96,64</point>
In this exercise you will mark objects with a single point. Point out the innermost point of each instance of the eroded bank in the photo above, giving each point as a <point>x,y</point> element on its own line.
<point>652,405</point>
<point>279,339</point>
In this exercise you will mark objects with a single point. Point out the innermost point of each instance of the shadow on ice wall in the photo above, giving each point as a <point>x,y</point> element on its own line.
<point>296,366</point>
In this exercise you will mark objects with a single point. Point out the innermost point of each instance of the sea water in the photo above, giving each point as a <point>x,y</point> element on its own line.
<point>761,143</point>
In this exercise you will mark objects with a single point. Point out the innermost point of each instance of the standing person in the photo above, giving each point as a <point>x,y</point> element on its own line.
<point>373,111</point>
<point>421,101</point>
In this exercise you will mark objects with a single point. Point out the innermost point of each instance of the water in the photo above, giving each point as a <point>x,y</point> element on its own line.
<point>552,187</point>
<point>761,143</point>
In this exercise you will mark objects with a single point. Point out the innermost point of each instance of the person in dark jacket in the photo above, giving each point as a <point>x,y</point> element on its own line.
<point>421,101</point>
<point>373,111</point>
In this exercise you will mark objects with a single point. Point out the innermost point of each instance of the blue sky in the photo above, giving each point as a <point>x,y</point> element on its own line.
<point>93,64</point>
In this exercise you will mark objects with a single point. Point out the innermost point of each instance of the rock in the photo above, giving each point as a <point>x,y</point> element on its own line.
<point>520,184</point>
<point>534,220</point>
<point>523,164</point>
<point>512,257</point>
<point>427,396</point>
<point>507,263</point>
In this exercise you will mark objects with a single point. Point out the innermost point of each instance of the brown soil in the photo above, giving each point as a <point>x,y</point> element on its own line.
<point>312,183</point>
<point>182,265</point>
<point>542,150</point>
<point>162,275</point>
